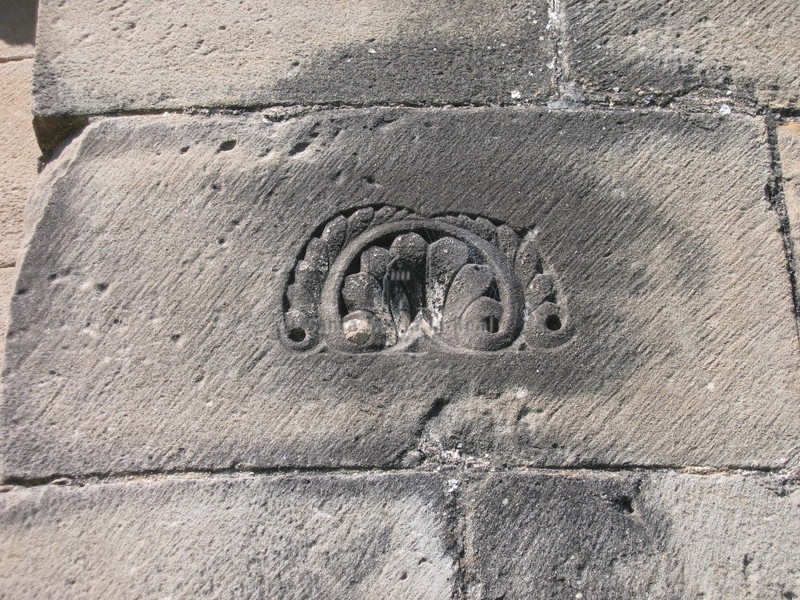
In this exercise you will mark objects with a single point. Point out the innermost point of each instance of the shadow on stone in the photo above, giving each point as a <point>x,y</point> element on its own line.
<point>18,22</point>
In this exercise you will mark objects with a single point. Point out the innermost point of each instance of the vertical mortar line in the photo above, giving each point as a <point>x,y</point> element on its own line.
<point>777,198</point>
<point>460,588</point>
<point>555,22</point>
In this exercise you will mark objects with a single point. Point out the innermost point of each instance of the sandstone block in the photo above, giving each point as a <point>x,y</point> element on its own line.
<point>218,54</point>
<point>18,151</point>
<point>362,536</point>
<point>626,50</point>
<point>587,535</point>
<point>368,287</point>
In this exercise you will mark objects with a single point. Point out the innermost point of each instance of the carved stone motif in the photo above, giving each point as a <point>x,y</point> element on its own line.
<point>386,279</point>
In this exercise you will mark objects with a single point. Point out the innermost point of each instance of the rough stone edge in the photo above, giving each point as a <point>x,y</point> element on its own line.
<point>53,130</point>
<point>63,157</point>
<point>780,202</point>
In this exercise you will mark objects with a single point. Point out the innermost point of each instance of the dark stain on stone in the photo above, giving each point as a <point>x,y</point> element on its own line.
<point>421,68</point>
<point>541,535</point>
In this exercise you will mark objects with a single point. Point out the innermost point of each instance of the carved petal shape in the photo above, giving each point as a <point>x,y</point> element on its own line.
<point>507,241</point>
<point>528,262</point>
<point>358,222</point>
<point>541,288</point>
<point>445,257</point>
<point>334,234</point>
<point>471,283</point>
<point>375,260</point>
<point>362,292</point>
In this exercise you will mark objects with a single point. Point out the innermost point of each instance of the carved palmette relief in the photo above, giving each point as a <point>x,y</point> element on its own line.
<point>385,279</point>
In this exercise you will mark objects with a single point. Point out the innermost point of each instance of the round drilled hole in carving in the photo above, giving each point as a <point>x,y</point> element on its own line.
<point>553,323</point>
<point>491,324</point>
<point>297,334</point>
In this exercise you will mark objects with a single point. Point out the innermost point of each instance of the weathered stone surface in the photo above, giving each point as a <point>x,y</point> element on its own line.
<point>627,50</point>
<point>789,152</point>
<point>148,326</point>
<point>585,535</point>
<point>17,29</point>
<point>215,53</point>
<point>18,152</point>
<point>230,537</point>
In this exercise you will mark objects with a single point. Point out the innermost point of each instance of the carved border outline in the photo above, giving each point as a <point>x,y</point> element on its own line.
<point>520,315</point>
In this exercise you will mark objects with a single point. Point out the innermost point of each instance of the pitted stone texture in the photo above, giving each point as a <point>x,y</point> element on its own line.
<point>18,153</point>
<point>218,53</point>
<point>629,50</point>
<point>146,328</point>
<point>17,29</point>
<point>584,535</point>
<point>227,537</point>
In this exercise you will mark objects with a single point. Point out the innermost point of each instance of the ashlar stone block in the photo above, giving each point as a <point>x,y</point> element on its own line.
<point>214,53</point>
<point>367,287</point>
<point>623,50</point>
<point>314,536</point>
<point>631,535</point>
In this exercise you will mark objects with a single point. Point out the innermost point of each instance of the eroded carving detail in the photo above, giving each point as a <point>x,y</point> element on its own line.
<point>386,279</point>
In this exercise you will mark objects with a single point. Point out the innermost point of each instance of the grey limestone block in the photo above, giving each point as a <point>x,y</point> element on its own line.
<point>315,536</point>
<point>215,53</point>
<point>368,287</point>
<point>624,50</point>
<point>582,535</point>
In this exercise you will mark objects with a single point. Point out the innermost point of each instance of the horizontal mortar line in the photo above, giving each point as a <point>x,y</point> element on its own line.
<point>553,105</point>
<point>430,468</point>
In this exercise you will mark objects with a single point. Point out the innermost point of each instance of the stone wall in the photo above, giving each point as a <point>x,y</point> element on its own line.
<point>478,299</point>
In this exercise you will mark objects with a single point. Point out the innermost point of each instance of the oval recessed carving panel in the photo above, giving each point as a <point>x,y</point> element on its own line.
<point>385,279</point>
